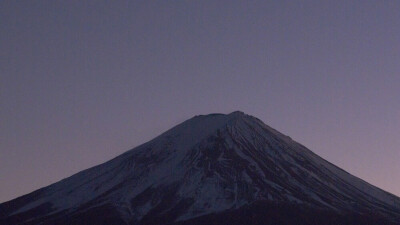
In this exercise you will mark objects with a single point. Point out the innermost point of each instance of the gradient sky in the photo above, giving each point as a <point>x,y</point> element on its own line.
<point>84,81</point>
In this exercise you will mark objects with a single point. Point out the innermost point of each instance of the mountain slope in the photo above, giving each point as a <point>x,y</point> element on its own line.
<point>208,165</point>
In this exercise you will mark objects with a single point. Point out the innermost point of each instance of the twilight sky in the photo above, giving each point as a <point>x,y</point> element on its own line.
<point>84,81</point>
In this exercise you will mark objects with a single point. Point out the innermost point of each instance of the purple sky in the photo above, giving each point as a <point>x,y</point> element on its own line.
<point>84,81</point>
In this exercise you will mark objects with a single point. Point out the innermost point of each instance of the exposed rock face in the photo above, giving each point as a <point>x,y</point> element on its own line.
<point>207,168</point>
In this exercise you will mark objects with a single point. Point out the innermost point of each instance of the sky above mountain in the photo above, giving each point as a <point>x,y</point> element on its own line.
<point>82,82</point>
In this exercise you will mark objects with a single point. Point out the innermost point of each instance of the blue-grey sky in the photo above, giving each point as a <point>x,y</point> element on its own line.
<point>83,81</point>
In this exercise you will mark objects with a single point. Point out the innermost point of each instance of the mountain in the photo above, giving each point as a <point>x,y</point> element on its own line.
<point>212,169</point>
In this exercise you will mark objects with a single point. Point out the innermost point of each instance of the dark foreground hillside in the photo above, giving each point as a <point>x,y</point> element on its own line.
<point>263,213</point>
<point>259,213</point>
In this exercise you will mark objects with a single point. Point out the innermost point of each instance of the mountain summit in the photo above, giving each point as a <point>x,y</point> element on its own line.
<point>210,169</point>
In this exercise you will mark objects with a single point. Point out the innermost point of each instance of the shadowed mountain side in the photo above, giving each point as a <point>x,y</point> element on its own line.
<point>213,169</point>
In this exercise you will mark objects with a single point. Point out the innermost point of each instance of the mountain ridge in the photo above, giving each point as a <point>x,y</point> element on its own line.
<point>208,164</point>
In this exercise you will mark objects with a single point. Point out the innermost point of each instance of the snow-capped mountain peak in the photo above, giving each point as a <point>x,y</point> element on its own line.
<point>205,165</point>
